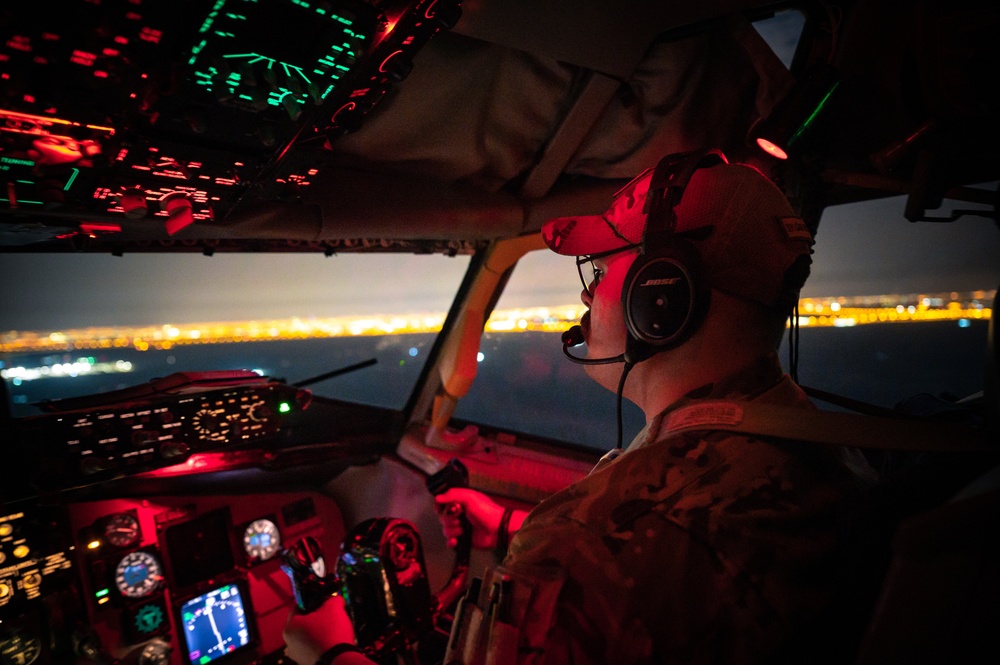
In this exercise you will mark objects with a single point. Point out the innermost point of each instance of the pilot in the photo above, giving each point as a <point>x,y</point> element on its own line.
<point>697,545</point>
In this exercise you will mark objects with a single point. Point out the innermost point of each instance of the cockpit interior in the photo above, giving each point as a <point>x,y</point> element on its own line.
<point>175,454</point>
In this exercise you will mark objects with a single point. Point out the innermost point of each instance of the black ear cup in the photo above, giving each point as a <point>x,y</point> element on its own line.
<point>664,298</point>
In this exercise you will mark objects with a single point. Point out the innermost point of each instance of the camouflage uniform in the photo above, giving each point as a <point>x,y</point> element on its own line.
<point>699,547</point>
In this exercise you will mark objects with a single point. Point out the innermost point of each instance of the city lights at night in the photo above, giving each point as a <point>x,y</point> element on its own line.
<point>813,312</point>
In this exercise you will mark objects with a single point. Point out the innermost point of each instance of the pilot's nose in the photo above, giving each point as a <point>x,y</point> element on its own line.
<point>586,298</point>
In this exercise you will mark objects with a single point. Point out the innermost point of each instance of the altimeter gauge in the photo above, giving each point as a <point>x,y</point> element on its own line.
<point>138,574</point>
<point>261,540</point>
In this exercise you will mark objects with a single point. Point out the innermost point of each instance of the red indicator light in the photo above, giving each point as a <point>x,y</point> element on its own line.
<point>360,92</point>
<point>100,74</point>
<point>772,149</point>
<point>83,58</point>
<point>349,106</point>
<point>20,43</point>
<point>110,52</point>
<point>4,57</point>
<point>121,40</point>
<point>41,60</point>
<point>150,35</point>
<point>87,227</point>
<point>50,37</point>
<point>132,16</point>
<point>29,99</point>
<point>389,57</point>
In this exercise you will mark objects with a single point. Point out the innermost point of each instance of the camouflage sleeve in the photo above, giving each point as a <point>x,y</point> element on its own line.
<point>653,595</point>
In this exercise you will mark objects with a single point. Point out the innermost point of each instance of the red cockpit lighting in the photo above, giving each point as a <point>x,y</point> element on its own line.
<point>771,148</point>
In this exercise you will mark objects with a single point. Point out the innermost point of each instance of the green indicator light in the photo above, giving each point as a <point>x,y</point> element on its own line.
<point>246,97</point>
<point>15,160</point>
<point>35,202</point>
<point>204,659</point>
<point>328,91</point>
<point>26,182</point>
<point>342,68</point>
<point>188,617</point>
<point>72,179</point>
<point>402,362</point>
<point>320,11</point>
<point>812,116</point>
<point>319,71</point>
<point>284,407</point>
<point>102,593</point>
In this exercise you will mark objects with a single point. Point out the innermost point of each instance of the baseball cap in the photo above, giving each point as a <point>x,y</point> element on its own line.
<point>748,235</point>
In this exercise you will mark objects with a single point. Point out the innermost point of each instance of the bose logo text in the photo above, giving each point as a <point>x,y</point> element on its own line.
<point>661,282</point>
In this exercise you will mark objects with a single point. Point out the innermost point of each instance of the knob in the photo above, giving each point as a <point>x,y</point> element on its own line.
<point>173,449</point>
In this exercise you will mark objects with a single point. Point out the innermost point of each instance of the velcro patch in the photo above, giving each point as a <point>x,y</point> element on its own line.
<point>705,415</point>
<point>795,228</point>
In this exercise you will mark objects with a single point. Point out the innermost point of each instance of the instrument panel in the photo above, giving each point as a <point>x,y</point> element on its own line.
<point>149,427</point>
<point>178,580</point>
<point>137,117</point>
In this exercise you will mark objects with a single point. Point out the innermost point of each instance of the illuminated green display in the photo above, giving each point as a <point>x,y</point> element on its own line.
<point>245,58</point>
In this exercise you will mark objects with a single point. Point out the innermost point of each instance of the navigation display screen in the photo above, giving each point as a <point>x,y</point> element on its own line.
<point>215,624</point>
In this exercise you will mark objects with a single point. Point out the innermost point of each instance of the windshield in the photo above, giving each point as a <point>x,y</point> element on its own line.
<point>891,310</point>
<point>77,324</point>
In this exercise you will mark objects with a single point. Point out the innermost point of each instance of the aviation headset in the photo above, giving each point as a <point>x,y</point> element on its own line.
<point>665,294</point>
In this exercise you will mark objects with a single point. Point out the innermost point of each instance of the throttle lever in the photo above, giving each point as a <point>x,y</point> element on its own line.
<point>454,474</point>
<point>305,566</point>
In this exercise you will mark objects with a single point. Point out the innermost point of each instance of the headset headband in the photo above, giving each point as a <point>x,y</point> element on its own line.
<point>666,187</point>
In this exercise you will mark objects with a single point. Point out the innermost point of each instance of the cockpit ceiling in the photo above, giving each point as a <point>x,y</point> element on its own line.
<point>524,111</point>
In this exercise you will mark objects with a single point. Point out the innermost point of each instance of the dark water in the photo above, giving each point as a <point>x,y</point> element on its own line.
<point>524,383</point>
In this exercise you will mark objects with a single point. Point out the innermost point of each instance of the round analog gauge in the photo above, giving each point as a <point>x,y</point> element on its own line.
<point>261,540</point>
<point>20,650</point>
<point>122,530</point>
<point>138,574</point>
<point>212,424</point>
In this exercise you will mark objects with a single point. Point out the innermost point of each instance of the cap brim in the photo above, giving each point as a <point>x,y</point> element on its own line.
<point>581,235</point>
